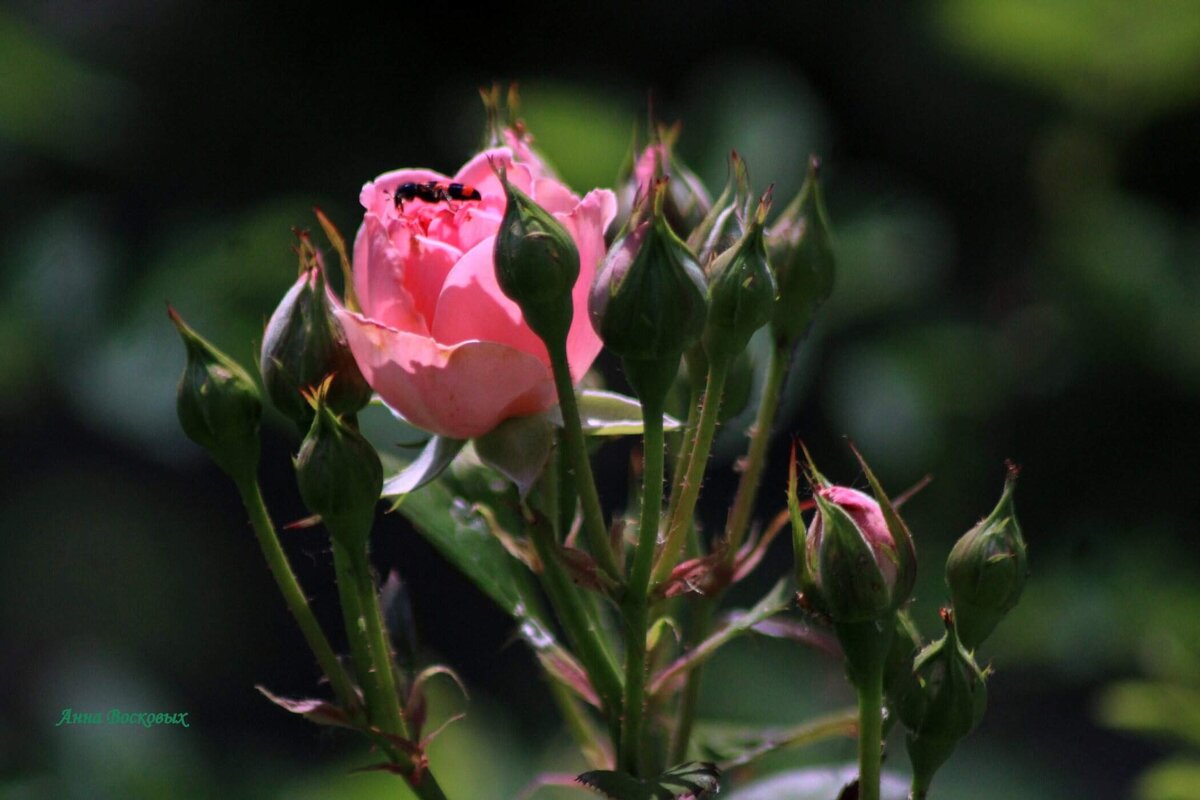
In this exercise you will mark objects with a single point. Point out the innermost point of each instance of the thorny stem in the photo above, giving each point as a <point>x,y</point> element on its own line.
<point>593,516</point>
<point>681,516</point>
<point>636,605</point>
<point>756,456</point>
<point>293,595</point>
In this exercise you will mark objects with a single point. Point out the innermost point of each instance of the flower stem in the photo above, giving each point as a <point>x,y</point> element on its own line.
<point>870,734</point>
<point>636,605</point>
<point>678,524</point>
<point>756,456</point>
<point>593,516</point>
<point>585,637</point>
<point>294,596</point>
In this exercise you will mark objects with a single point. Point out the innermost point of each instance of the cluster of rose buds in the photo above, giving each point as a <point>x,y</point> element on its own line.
<point>473,306</point>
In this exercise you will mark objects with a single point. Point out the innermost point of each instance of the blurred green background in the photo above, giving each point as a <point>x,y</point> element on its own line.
<point>1013,186</point>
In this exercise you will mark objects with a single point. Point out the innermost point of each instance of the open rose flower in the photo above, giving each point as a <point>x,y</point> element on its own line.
<point>436,338</point>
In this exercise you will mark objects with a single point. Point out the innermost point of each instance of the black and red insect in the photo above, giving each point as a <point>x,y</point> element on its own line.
<point>435,192</point>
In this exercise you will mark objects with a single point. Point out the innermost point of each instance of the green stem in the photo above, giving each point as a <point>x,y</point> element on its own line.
<point>678,524</point>
<point>582,631</point>
<point>870,735</point>
<point>593,516</point>
<point>636,605</point>
<point>686,717</point>
<point>687,443</point>
<point>297,603</point>
<point>756,456</point>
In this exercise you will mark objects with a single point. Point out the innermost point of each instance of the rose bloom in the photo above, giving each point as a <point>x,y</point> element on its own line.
<point>437,339</point>
<point>866,515</point>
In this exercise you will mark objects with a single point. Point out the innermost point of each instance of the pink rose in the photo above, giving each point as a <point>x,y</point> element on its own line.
<point>437,339</point>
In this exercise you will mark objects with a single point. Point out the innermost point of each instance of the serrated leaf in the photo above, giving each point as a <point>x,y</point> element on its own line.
<point>737,623</point>
<point>432,461</point>
<point>518,449</point>
<point>604,413</point>
<point>695,779</point>
<point>816,783</point>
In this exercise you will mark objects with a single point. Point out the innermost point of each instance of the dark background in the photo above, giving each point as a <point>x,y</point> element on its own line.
<point>1012,185</point>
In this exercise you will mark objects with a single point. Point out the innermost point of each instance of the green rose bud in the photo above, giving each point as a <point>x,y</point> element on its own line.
<point>801,252</point>
<point>741,292</point>
<point>986,570</point>
<point>648,301</point>
<point>304,344</point>
<point>537,264</point>
<point>726,220</point>
<point>944,702</point>
<point>218,404</point>
<point>339,476</point>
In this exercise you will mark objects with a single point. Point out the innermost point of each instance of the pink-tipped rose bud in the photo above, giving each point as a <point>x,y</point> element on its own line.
<point>852,555</point>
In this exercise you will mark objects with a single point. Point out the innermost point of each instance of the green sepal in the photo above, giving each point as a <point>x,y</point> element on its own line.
<point>519,449</point>
<point>726,220</point>
<point>218,404</point>
<point>905,549</point>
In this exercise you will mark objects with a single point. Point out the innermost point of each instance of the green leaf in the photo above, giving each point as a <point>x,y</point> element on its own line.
<point>1167,710</point>
<point>733,746</point>
<point>1178,779</point>
<point>610,414</point>
<point>462,537</point>
<point>695,779</point>
<point>738,623</point>
<point>816,783</point>
<point>436,456</point>
<point>518,449</point>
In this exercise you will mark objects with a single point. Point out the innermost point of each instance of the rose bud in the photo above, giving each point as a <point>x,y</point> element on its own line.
<point>801,253</point>
<point>537,264</point>
<point>741,292</point>
<point>648,301</point>
<point>218,404</point>
<point>687,201</point>
<point>859,558</point>
<point>339,475</point>
<point>986,570</point>
<point>943,702</point>
<point>726,220</point>
<point>303,344</point>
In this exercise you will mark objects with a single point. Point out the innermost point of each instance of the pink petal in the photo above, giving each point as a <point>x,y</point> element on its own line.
<point>461,391</point>
<point>472,307</point>
<point>478,172</point>
<point>554,196</point>
<point>379,279</point>
<point>379,195</point>
<point>586,223</point>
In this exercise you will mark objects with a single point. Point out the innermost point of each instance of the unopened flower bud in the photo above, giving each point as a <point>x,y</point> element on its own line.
<point>986,570</point>
<point>218,404</point>
<point>801,253</point>
<point>859,559</point>
<point>304,344</point>
<point>944,702</point>
<point>741,292</point>
<point>687,201</point>
<point>537,264</point>
<point>648,301</point>
<point>339,476</point>
<point>726,220</point>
